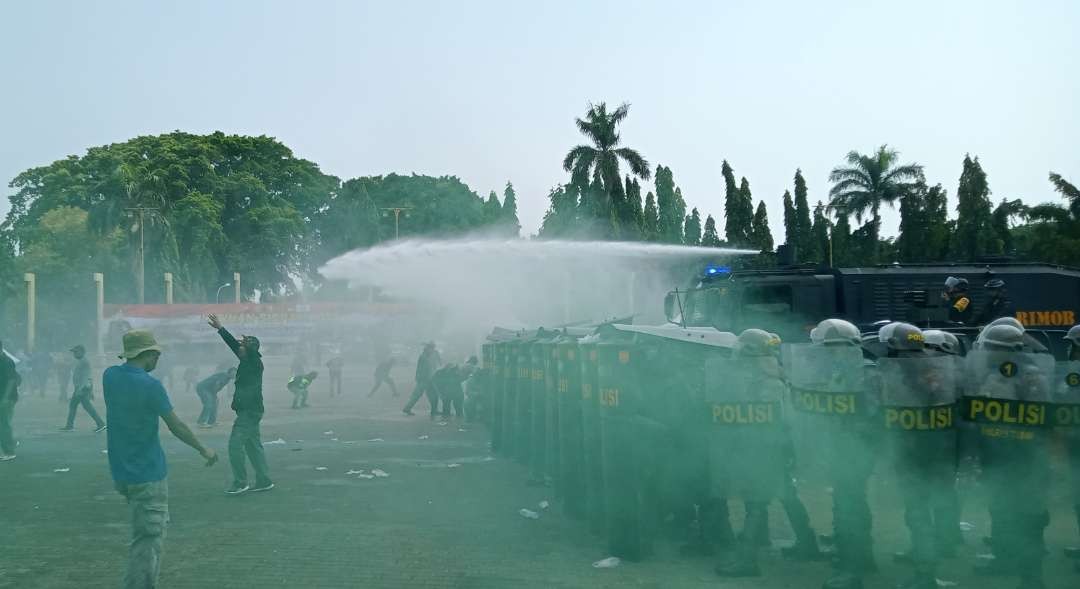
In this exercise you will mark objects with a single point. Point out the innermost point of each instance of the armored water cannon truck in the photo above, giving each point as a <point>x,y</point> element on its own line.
<point>789,301</point>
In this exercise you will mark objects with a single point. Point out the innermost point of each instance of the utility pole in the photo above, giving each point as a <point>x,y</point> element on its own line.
<point>397,217</point>
<point>99,313</point>
<point>140,272</point>
<point>168,288</point>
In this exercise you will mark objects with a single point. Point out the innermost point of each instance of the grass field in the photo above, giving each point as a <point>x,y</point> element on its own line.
<point>425,525</point>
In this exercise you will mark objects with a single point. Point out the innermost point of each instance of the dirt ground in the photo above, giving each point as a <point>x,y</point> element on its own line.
<point>428,524</point>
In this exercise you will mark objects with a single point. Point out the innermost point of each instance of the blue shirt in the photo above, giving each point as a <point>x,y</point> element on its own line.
<point>134,403</point>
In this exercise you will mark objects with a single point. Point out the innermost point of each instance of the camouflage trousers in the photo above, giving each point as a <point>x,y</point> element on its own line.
<point>149,503</point>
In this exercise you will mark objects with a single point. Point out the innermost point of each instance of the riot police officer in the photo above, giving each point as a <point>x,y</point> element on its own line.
<point>918,402</point>
<point>834,409</point>
<point>1007,402</point>
<point>955,295</point>
<point>747,440</point>
<point>1067,391</point>
<point>999,304</point>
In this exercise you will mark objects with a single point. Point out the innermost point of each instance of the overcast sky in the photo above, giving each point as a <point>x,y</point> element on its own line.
<point>488,91</point>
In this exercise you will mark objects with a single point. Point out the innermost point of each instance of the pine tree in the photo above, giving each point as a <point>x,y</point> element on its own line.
<point>561,217</point>
<point>492,210</point>
<point>630,223</point>
<point>746,207</point>
<point>710,238</point>
<point>791,232</point>
<point>760,236</point>
<point>973,230</point>
<point>842,253</point>
<point>692,228</point>
<point>509,212</point>
<point>650,225</point>
<point>736,223</point>
<point>667,203</point>
<point>819,236</point>
<point>805,249</point>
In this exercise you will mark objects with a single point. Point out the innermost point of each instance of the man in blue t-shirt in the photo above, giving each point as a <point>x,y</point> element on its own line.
<point>134,402</point>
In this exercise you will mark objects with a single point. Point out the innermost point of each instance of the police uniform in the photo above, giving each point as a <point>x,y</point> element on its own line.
<point>835,406</point>
<point>746,439</point>
<point>1067,396</point>
<point>1008,402</point>
<point>918,413</point>
<point>960,309</point>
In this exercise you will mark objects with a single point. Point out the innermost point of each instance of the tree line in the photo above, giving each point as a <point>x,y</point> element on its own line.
<point>598,202</point>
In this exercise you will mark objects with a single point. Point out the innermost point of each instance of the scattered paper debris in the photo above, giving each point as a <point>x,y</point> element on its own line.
<point>607,563</point>
<point>379,473</point>
<point>376,440</point>
<point>966,526</point>
<point>278,441</point>
<point>944,583</point>
<point>333,439</point>
<point>443,423</point>
<point>461,429</point>
<point>328,433</point>
<point>365,476</point>
<point>355,472</point>
<point>321,468</point>
<point>528,514</point>
<point>62,469</point>
<point>104,451</point>
<point>544,505</point>
<point>423,437</point>
<point>489,458</point>
<point>453,465</point>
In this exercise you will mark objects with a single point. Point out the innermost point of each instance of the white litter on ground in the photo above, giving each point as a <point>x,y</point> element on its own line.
<point>944,583</point>
<point>544,505</point>
<point>328,433</point>
<point>355,472</point>
<point>461,429</point>
<point>321,468</point>
<point>453,465</point>
<point>966,526</point>
<point>333,439</point>
<point>528,514</point>
<point>104,451</point>
<point>365,476</point>
<point>62,470</point>
<point>607,563</point>
<point>423,437</point>
<point>376,440</point>
<point>379,473</point>
<point>277,441</point>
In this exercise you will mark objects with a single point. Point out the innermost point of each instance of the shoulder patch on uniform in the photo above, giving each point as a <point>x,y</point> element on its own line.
<point>961,303</point>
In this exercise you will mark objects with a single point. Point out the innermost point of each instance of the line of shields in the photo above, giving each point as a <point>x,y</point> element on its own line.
<point>614,417</point>
<point>600,414</point>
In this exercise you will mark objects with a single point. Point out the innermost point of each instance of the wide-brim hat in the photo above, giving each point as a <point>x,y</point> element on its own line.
<point>138,341</point>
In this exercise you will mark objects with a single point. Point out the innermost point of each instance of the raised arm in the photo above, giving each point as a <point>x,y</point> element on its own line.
<point>224,333</point>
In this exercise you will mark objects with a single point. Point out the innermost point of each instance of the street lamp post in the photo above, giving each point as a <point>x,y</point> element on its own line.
<point>397,217</point>
<point>217,297</point>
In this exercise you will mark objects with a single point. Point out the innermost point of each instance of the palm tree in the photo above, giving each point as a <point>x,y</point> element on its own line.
<point>601,159</point>
<point>869,181</point>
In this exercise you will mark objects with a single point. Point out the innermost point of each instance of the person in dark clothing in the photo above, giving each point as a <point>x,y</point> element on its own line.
<point>9,395</point>
<point>999,304</point>
<point>298,386</point>
<point>447,382</point>
<point>334,366</point>
<point>82,385</point>
<point>208,389</point>
<point>382,374</point>
<point>245,441</point>
<point>955,295</point>
<point>41,366</point>
<point>426,366</point>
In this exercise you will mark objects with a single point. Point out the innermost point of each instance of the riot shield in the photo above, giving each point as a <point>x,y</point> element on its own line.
<point>744,423</point>
<point>1066,397</point>
<point>919,412</point>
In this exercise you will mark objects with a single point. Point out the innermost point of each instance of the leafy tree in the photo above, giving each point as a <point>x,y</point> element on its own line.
<point>692,231</point>
<point>761,237</point>
<point>651,221</point>
<point>867,182</point>
<point>803,227</point>
<point>737,216</point>
<point>511,225</point>
<point>924,229</point>
<point>1053,231</point>
<point>842,248</point>
<point>602,159</point>
<point>1001,222</point>
<point>819,236</point>
<point>632,216</point>
<point>560,220</point>
<point>791,231</point>
<point>710,238</point>
<point>973,231</point>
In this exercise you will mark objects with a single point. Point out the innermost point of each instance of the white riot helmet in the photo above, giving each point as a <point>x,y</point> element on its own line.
<point>1002,337</point>
<point>1073,337</point>
<point>885,332</point>
<point>942,341</point>
<point>756,342</point>
<point>904,337</point>
<point>835,331</point>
